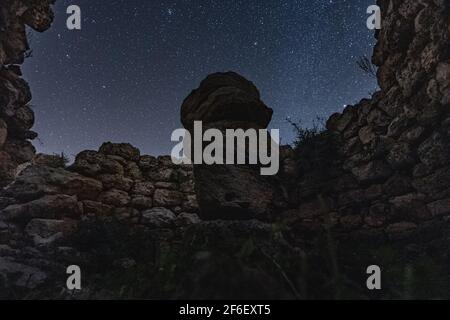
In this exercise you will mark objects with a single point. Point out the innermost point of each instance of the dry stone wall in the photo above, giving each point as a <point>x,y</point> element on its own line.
<point>114,183</point>
<point>391,164</point>
<point>16,115</point>
<point>387,171</point>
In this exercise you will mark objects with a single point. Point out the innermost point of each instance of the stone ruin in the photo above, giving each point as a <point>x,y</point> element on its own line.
<point>387,177</point>
<point>16,115</point>
<point>229,101</point>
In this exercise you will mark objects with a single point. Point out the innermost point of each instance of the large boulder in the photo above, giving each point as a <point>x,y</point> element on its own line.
<point>15,14</point>
<point>36,181</point>
<point>93,163</point>
<point>47,207</point>
<point>124,150</point>
<point>225,97</point>
<point>229,101</point>
<point>158,218</point>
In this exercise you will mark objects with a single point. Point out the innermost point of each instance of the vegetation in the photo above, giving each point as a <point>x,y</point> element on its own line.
<point>316,154</point>
<point>367,66</point>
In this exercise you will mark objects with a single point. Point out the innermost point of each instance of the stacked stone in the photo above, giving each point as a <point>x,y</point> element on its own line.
<point>395,148</point>
<point>16,116</point>
<point>229,101</point>
<point>114,183</point>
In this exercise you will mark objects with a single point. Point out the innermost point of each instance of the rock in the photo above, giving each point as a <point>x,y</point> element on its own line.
<point>338,122</point>
<point>3,132</point>
<point>191,204</point>
<point>92,163</point>
<point>166,185</point>
<point>378,118</point>
<point>115,181</point>
<point>421,170</point>
<point>398,126</point>
<point>166,162</point>
<point>46,231</point>
<point>114,197</point>
<point>96,208</point>
<point>47,207</point>
<point>53,161</point>
<point>375,220</point>
<point>366,135</point>
<point>410,77</point>
<point>147,163</point>
<point>400,156</point>
<point>400,230</point>
<point>163,175</point>
<point>228,101</point>
<point>39,17</point>
<point>374,192</point>
<point>446,126</point>
<point>434,183</point>
<point>19,150</point>
<point>231,192</point>
<point>435,151</point>
<point>88,163</point>
<point>16,274</point>
<point>158,218</point>
<point>373,171</point>
<point>167,198</point>
<point>439,208</point>
<point>7,169</point>
<point>36,181</point>
<point>23,120</point>
<point>351,222</point>
<point>349,198</point>
<point>443,80</point>
<point>15,93</point>
<point>6,250</point>
<point>141,202</point>
<point>187,187</point>
<point>124,150</point>
<point>186,219</point>
<point>132,171</point>
<point>409,9</point>
<point>398,185</point>
<point>125,214</point>
<point>225,96</point>
<point>412,135</point>
<point>429,115</point>
<point>379,209</point>
<point>143,188</point>
<point>407,203</point>
<point>6,201</point>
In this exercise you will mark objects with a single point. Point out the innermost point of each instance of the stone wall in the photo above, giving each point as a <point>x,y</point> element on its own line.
<point>16,115</point>
<point>380,171</point>
<point>115,183</point>
<point>390,171</point>
<point>49,205</point>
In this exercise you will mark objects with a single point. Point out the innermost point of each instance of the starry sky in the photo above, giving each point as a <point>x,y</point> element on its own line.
<point>123,77</point>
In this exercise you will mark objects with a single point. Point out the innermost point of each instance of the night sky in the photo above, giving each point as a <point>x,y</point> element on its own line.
<point>123,77</point>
